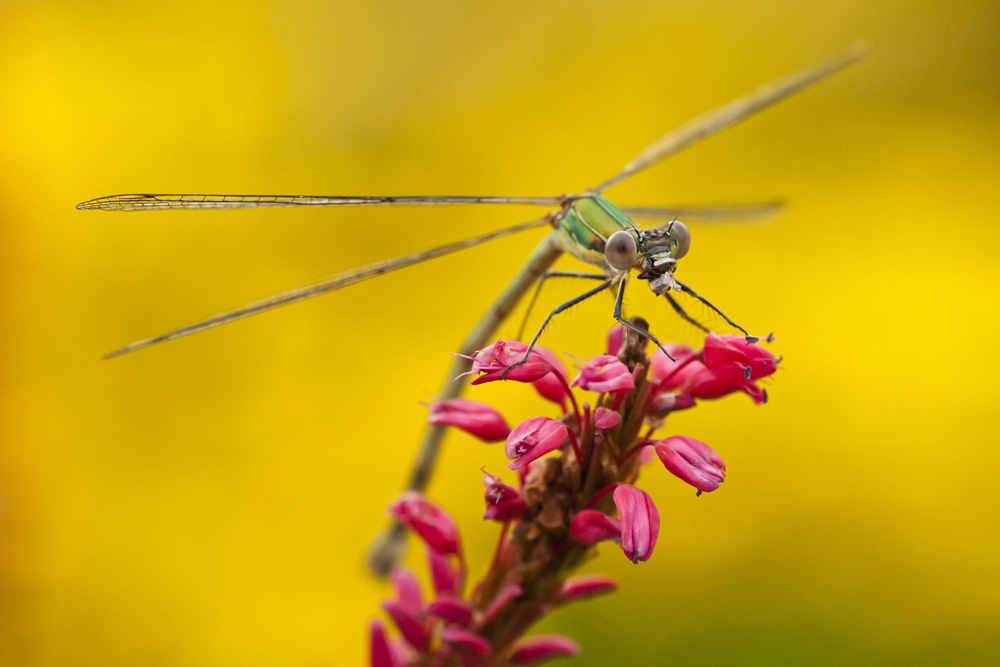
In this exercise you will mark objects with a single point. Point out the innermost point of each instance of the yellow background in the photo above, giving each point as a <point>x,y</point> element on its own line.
<point>208,502</point>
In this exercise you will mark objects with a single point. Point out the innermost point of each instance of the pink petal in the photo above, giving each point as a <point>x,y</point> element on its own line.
<point>591,527</point>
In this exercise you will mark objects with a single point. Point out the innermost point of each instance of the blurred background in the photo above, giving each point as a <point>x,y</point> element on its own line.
<point>209,501</point>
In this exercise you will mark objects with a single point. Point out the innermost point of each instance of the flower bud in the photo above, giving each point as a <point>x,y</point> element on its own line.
<point>473,417</point>
<point>431,522</point>
<point>472,648</point>
<point>585,586</point>
<point>605,419</point>
<point>616,338</point>
<point>640,522</point>
<point>537,649</point>
<point>668,401</point>
<point>455,610</point>
<point>508,594</point>
<point>380,655</point>
<point>692,461</point>
<point>605,373</point>
<point>591,527</point>
<point>445,577</point>
<point>407,587</point>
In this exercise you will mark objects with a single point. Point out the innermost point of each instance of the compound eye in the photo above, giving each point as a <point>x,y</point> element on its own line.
<point>620,250</point>
<point>682,237</point>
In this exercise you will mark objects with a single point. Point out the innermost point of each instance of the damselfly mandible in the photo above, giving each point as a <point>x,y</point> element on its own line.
<point>586,225</point>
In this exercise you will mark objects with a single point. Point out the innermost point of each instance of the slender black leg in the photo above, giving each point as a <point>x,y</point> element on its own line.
<point>569,304</point>
<point>625,323</point>
<point>683,313</point>
<point>538,290</point>
<point>688,290</point>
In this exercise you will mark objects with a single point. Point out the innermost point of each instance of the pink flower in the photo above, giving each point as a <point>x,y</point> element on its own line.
<point>667,402</point>
<point>672,373</point>
<point>494,360</point>
<point>585,586</point>
<point>380,654</point>
<point>407,587</point>
<point>605,373</point>
<point>503,502</point>
<point>533,650</point>
<point>727,364</point>
<point>640,522</point>
<point>732,358</point>
<point>694,462</point>
<point>508,594</point>
<point>705,384</point>
<point>432,523</point>
<point>412,623</point>
<point>605,419</point>
<point>553,385</point>
<point>472,648</point>
<point>445,577</point>
<point>616,337</point>
<point>533,438</point>
<point>452,609</point>
<point>591,527</point>
<point>474,417</point>
<point>407,609</point>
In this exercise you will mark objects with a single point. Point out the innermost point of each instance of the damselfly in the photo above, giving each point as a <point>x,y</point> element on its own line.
<point>586,225</point>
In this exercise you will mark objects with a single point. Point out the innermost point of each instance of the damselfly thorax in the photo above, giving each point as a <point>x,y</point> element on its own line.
<point>594,230</point>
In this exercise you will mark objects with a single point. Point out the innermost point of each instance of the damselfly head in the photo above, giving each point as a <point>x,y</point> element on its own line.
<point>662,246</point>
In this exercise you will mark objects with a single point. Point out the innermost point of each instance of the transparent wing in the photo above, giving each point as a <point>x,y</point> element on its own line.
<point>739,109</point>
<point>146,202</point>
<point>323,286</point>
<point>726,213</point>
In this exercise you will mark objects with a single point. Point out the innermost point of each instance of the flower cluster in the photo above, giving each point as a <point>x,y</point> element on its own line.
<point>576,487</point>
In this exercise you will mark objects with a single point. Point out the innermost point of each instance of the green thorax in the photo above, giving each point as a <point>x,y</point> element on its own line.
<point>586,226</point>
